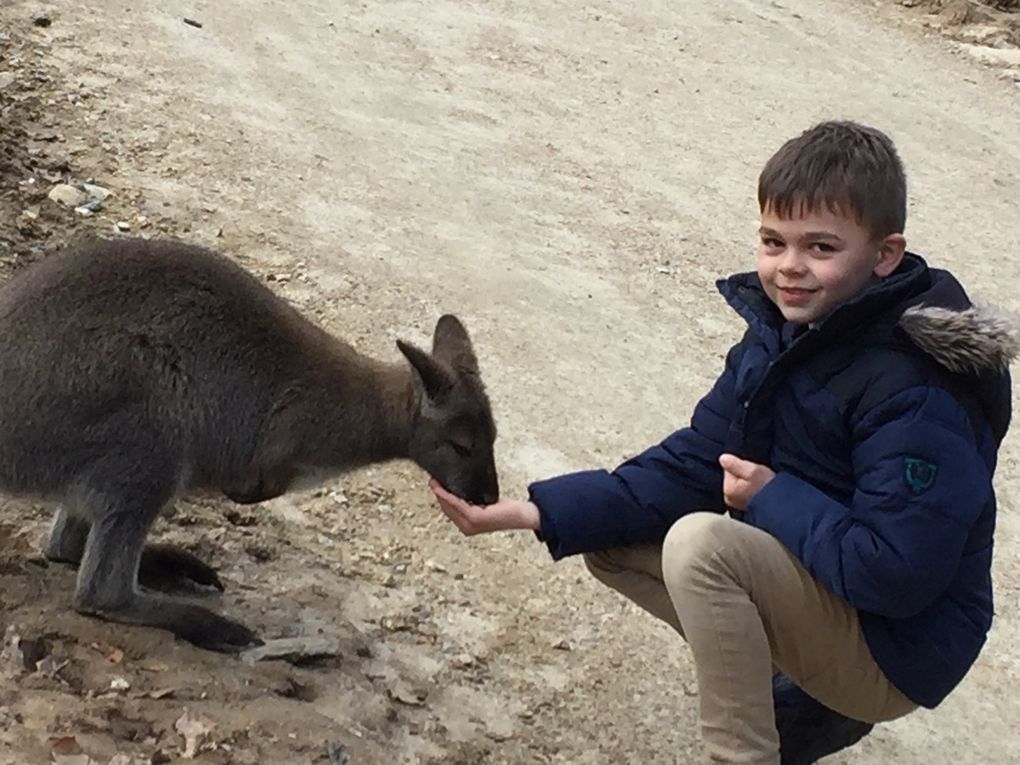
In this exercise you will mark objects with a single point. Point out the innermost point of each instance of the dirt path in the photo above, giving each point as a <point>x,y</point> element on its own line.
<point>568,178</point>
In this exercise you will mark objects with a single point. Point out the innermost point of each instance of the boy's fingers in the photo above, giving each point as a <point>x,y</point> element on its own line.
<point>738,468</point>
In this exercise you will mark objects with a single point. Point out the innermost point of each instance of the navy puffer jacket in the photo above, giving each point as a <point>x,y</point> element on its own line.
<point>882,423</point>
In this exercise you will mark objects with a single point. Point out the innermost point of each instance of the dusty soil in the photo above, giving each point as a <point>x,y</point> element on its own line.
<point>570,179</point>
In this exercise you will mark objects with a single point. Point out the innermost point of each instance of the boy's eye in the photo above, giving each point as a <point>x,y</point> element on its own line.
<point>771,243</point>
<point>823,247</point>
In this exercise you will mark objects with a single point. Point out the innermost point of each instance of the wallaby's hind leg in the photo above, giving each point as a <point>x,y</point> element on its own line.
<point>107,577</point>
<point>68,534</point>
<point>163,567</point>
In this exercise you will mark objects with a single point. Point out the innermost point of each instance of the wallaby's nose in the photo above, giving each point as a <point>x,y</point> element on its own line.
<point>490,493</point>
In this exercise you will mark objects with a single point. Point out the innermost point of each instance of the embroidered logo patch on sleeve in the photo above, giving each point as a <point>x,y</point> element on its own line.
<point>919,474</point>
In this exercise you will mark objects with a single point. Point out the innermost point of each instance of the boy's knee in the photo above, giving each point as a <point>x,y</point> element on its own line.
<point>692,540</point>
<point>600,565</point>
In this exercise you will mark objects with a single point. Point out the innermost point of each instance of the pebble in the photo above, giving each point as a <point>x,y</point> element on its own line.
<point>98,193</point>
<point>119,684</point>
<point>993,56</point>
<point>6,79</point>
<point>41,20</point>
<point>67,195</point>
<point>123,225</point>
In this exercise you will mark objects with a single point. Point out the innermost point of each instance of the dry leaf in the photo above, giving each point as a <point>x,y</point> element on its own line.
<point>64,745</point>
<point>113,655</point>
<point>194,728</point>
<point>65,750</point>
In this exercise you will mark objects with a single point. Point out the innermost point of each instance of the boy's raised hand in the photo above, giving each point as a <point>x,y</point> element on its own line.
<point>473,519</point>
<point>742,479</point>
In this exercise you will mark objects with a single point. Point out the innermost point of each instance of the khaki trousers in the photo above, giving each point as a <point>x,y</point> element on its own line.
<point>746,605</point>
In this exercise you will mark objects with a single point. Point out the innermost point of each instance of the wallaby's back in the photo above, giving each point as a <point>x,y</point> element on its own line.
<point>112,336</point>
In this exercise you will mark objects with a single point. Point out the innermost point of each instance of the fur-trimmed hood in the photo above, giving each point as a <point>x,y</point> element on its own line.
<point>971,341</point>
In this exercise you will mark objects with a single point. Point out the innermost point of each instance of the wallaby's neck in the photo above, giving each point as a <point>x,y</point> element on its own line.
<point>373,411</point>
<point>390,399</point>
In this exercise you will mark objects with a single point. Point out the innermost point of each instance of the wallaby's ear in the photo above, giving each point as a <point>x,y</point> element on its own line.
<point>435,378</point>
<point>451,344</point>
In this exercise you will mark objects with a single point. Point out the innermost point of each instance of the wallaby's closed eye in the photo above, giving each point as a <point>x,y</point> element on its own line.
<point>134,371</point>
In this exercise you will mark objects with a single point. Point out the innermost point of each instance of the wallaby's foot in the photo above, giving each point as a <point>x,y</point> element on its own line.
<point>192,623</point>
<point>166,567</point>
<point>163,567</point>
<point>107,582</point>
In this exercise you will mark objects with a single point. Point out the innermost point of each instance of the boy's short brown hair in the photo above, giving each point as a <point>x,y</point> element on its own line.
<point>843,166</point>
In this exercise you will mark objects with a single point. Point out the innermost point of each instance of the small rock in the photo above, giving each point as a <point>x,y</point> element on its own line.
<point>67,195</point>
<point>27,220</point>
<point>404,693</point>
<point>463,660</point>
<point>562,645</point>
<point>6,80</point>
<point>194,728</point>
<point>395,623</point>
<point>42,20</point>
<point>690,688</point>
<point>294,650</point>
<point>123,225</point>
<point>993,56</point>
<point>400,568</point>
<point>193,23</point>
<point>98,193</point>
<point>499,731</point>
<point>89,208</point>
<point>50,666</point>
<point>119,684</point>
<point>259,553</point>
<point>432,565</point>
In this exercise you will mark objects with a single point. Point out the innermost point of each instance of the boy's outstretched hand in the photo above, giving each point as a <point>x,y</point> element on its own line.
<point>742,480</point>
<point>474,519</point>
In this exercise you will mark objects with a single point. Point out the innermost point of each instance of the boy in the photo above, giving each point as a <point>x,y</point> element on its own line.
<point>852,437</point>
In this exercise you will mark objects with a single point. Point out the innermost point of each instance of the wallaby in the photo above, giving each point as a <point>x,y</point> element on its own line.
<point>134,371</point>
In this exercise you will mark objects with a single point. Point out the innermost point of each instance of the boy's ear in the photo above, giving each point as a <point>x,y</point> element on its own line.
<point>890,254</point>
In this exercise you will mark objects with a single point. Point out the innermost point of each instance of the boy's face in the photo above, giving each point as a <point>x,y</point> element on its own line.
<point>813,261</point>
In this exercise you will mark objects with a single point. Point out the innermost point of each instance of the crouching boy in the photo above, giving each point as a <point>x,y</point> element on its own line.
<point>828,513</point>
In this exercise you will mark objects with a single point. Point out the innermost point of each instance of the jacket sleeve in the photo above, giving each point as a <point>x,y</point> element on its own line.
<point>638,501</point>
<point>921,483</point>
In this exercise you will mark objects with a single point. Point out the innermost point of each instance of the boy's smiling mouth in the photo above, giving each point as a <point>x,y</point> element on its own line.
<point>795,295</point>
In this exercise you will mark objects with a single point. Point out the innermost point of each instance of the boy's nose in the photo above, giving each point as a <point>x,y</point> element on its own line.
<point>792,262</point>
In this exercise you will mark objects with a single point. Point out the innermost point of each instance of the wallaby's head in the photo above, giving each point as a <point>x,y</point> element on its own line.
<point>453,433</point>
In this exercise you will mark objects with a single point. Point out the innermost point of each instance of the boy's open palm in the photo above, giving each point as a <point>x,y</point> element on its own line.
<point>473,519</point>
<point>742,479</point>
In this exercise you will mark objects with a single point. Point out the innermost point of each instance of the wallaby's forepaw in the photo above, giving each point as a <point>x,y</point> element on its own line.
<point>165,567</point>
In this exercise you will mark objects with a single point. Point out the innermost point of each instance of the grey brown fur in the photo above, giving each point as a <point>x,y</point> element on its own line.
<point>133,371</point>
<point>976,340</point>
